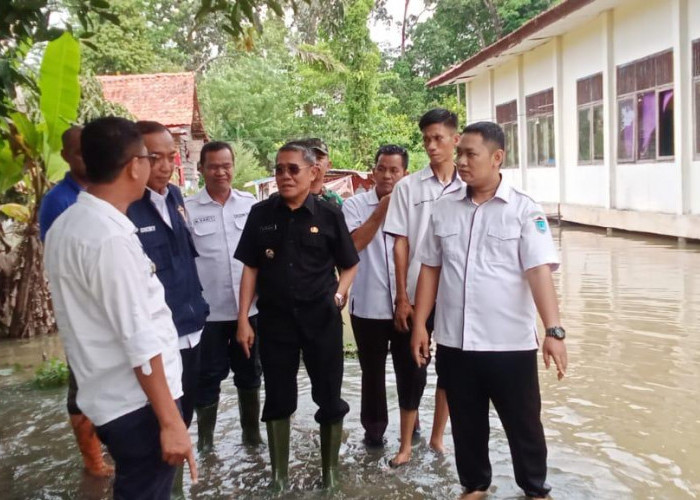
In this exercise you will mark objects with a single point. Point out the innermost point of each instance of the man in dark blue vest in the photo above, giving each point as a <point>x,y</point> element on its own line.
<point>163,230</point>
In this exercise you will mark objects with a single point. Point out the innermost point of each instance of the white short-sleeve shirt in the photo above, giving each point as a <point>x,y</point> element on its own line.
<point>216,230</point>
<point>374,288</point>
<point>484,302</point>
<point>409,213</point>
<point>110,308</point>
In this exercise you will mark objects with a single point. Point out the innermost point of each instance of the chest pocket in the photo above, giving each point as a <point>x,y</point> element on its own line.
<point>239,220</point>
<point>159,253</point>
<point>203,229</point>
<point>501,245</point>
<point>451,242</point>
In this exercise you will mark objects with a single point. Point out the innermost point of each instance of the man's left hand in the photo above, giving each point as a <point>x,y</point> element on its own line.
<point>555,349</point>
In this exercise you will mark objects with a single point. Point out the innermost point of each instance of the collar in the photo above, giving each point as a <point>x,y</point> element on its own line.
<point>309,203</point>
<point>428,172</point>
<point>72,183</point>
<point>372,198</point>
<point>156,196</point>
<point>204,197</point>
<point>107,209</point>
<point>502,191</point>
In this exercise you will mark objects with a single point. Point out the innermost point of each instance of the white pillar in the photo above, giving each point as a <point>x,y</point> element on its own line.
<point>683,102</point>
<point>558,120</point>
<point>522,122</point>
<point>492,99</point>
<point>609,108</point>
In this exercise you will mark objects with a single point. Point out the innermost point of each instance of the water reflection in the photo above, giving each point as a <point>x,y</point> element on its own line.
<point>623,424</point>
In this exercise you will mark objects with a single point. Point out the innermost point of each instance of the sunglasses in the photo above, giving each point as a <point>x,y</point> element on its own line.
<point>292,169</point>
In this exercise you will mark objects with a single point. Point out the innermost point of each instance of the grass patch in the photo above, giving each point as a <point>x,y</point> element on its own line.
<point>52,373</point>
<point>350,350</point>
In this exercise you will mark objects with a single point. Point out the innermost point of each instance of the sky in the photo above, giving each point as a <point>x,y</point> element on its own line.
<point>390,36</point>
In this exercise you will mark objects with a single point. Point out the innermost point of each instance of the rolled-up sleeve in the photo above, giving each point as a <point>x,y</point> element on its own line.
<point>396,221</point>
<point>536,242</point>
<point>429,251</point>
<point>125,298</point>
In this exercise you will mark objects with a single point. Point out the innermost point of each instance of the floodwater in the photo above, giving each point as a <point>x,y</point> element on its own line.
<point>624,423</point>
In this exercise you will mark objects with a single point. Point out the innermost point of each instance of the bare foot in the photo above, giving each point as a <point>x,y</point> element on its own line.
<point>474,495</point>
<point>401,458</point>
<point>437,446</point>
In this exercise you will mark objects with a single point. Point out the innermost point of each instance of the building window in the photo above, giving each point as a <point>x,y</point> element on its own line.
<point>507,118</point>
<point>696,92</point>
<point>645,109</point>
<point>540,129</point>
<point>589,95</point>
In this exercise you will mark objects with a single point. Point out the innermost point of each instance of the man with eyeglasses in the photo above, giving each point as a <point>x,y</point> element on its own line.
<point>163,229</point>
<point>114,323</point>
<point>217,216</point>
<point>290,247</point>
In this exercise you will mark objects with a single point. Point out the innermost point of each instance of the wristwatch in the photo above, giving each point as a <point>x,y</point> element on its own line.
<point>339,299</point>
<point>556,332</point>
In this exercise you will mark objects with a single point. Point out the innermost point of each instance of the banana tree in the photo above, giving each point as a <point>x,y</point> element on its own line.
<point>30,161</point>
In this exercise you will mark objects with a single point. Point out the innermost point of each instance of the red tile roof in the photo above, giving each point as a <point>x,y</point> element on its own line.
<point>168,98</point>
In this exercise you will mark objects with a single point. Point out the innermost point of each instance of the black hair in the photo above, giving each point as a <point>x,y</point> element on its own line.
<point>489,131</point>
<point>213,147</point>
<point>438,115</point>
<point>107,144</point>
<point>147,127</point>
<point>392,149</point>
<point>68,133</point>
<point>302,146</point>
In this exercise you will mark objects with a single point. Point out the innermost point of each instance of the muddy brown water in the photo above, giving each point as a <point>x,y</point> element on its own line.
<point>624,424</point>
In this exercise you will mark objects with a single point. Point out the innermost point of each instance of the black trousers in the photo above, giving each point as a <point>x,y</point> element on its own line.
<point>509,380</point>
<point>190,379</point>
<point>220,354</point>
<point>71,402</point>
<point>133,441</point>
<point>316,333</point>
<point>374,338</point>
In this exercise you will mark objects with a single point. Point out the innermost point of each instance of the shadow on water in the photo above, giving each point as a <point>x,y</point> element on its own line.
<point>623,424</point>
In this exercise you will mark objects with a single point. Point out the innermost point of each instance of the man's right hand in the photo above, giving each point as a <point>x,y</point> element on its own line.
<point>403,316</point>
<point>245,336</point>
<point>420,345</point>
<point>177,448</point>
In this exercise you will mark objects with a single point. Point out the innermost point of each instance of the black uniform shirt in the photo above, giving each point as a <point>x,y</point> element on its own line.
<point>295,251</point>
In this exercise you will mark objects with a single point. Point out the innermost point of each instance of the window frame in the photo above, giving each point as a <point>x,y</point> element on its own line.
<point>695,84</point>
<point>507,118</point>
<point>635,94</point>
<point>589,103</point>
<point>534,117</point>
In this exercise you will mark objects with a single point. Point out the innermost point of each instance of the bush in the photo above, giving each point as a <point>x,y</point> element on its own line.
<point>51,374</point>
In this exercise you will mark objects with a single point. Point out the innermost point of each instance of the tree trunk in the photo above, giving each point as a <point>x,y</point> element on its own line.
<point>403,27</point>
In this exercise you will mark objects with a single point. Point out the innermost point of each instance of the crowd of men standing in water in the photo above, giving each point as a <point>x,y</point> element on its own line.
<point>158,297</point>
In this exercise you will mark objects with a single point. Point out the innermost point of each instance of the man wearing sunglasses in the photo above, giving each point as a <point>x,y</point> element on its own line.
<point>290,247</point>
<point>162,225</point>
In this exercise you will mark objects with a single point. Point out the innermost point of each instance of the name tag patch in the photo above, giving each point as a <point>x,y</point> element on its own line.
<point>147,229</point>
<point>208,218</point>
<point>239,216</point>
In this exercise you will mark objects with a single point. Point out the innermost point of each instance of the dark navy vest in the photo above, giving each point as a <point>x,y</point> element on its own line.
<point>173,253</point>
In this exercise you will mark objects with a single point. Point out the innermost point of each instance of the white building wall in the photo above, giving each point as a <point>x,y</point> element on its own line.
<point>651,186</point>
<point>505,83</point>
<point>694,34</point>
<point>582,57</point>
<point>480,99</point>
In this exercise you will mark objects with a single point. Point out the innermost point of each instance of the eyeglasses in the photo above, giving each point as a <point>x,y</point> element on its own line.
<point>152,158</point>
<point>292,169</point>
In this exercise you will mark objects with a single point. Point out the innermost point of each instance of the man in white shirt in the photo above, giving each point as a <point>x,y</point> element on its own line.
<point>217,216</point>
<point>112,317</point>
<point>407,220</point>
<point>372,299</point>
<point>488,257</point>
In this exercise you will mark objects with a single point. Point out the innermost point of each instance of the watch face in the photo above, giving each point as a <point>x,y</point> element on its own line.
<point>557,332</point>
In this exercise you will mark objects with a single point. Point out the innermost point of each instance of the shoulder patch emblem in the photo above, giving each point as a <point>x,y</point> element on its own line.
<point>541,224</point>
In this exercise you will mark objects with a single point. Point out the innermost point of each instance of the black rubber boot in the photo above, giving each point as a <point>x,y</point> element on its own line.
<point>331,435</point>
<point>278,442</point>
<point>206,421</point>
<point>249,411</point>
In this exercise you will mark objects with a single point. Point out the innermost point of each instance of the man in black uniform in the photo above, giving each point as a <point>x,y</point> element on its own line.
<point>290,247</point>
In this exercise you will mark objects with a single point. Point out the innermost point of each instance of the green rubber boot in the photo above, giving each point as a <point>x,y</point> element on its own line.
<point>331,435</point>
<point>278,442</point>
<point>206,421</point>
<point>249,411</point>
